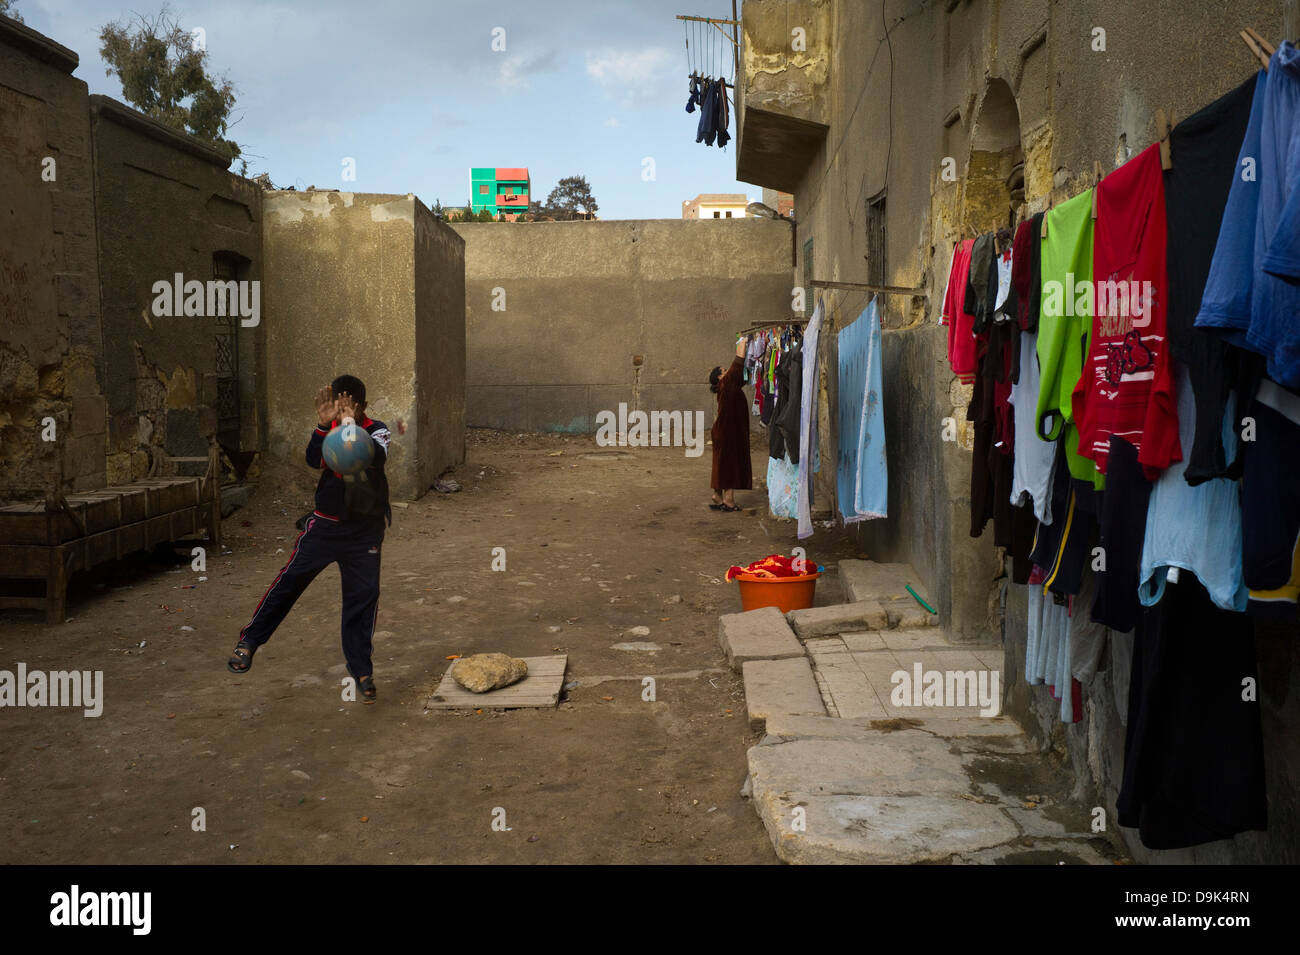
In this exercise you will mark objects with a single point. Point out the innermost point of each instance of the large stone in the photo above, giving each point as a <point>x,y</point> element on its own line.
<point>761,634</point>
<point>780,687</point>
<point>839,618</point>
<point>488,671</point>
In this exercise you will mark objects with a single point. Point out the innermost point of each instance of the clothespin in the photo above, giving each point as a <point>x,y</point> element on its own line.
<point>1045,212</point>
<point>1164,126</point>
<point>1096,181</point>
<point>1260,47</point>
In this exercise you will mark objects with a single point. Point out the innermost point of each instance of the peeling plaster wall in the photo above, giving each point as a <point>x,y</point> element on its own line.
<point>50,341</point>
<point>372,286</point>
<point>163,208</point>
<point>1074,105</point>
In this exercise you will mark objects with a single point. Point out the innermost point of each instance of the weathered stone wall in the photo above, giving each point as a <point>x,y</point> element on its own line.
<point>578,303</point>
<point>167,205</point>
<point>367,285</point>
<point>439,345</point>
<point>988,84</point>
<point>50,361</point>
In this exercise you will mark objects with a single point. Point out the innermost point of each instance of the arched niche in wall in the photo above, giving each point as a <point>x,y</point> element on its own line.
<point>995,170</point>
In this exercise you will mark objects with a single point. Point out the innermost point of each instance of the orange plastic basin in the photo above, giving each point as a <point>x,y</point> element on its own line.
<point>784,593</point>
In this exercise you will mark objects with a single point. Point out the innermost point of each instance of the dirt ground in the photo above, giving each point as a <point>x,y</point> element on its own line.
<point>597,541</point>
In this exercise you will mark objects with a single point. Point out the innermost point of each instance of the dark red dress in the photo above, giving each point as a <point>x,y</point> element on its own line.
<point>731,464</point>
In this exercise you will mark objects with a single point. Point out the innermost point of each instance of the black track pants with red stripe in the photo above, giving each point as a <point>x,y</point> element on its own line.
<point>355,546</point>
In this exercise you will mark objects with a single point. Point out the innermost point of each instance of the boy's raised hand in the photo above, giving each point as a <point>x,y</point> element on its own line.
<point>346,406</point>
<point>325,406</point>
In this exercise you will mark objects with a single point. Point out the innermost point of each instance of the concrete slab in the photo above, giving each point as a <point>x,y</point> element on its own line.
<point>760,634</point>
<point>824,645</point>
<point>997,734</point>
<point>780,687</point>
<point>839,618</point>
<point>873,800</point>
<point>865,640</point>
<point>912,639</point>
<point>869,580</point>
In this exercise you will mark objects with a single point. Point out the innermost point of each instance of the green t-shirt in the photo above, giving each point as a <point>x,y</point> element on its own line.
<point>1065,325</point>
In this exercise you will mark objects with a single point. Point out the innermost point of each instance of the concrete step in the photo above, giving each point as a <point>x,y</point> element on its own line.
<point>761,634</point>
<point>887,585</point>
<point>780,688</point>
<point>838,618</point>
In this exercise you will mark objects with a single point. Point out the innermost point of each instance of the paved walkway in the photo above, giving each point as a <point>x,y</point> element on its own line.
<point>881,741</point>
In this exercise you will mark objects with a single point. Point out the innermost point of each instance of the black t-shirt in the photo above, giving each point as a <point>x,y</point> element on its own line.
<point>1204,150</point>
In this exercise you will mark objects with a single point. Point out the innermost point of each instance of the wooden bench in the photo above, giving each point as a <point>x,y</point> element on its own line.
<point>53,539</point>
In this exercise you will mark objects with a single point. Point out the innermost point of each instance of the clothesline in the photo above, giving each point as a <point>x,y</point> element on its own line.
<point>766,325</point>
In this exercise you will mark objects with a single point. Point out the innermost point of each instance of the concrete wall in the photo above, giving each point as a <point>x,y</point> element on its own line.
<point>367,285</point>
<point>50,362</point>
<point>989,84</point>
<point>439,345</point>
<point>166,204</point>
<point>584,300</point>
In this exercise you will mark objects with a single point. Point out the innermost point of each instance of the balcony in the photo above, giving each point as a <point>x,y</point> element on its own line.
<point>782,90</point>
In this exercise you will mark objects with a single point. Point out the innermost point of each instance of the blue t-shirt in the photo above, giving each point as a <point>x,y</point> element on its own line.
<point>1275,309</point>
<point>1197,529</point>
<point>1252,295</point>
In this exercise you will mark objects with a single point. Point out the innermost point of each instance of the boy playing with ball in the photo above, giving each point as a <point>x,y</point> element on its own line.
<point>347,528</point>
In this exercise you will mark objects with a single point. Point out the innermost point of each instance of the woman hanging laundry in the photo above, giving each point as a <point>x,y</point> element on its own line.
<point>731,465</point>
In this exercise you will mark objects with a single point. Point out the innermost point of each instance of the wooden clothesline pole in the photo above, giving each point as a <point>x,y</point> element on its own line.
<point>859,286</point>
<point>707,20</point>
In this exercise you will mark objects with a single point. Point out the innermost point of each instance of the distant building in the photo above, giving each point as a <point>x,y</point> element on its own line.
<point>500,190</point>
<point>716,205</point>
<point>782,202</point>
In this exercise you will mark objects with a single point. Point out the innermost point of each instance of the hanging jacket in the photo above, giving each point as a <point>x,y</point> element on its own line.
<point>705,132</point>
<point>720,115</point>
<point>786,422</point>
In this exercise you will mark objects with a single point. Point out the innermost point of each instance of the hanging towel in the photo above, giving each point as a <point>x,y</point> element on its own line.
<point>808,420</point>
<point>861,477</point>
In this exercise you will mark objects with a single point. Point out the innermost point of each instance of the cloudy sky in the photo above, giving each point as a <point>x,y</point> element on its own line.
<point>415,93</point>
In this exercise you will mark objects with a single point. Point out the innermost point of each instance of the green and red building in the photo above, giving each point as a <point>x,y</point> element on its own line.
<point>500,190</point>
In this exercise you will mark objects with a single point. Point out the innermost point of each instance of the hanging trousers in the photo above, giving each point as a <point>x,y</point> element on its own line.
<point>355,545</point>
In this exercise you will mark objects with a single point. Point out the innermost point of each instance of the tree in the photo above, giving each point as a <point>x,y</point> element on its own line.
<point>164,74</point>
<point>6,9</point>
<point>570,199</point>
<point>437,210</point>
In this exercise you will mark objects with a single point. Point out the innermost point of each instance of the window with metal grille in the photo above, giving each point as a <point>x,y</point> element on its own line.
<point>228,267</point>
<point>876,239</point>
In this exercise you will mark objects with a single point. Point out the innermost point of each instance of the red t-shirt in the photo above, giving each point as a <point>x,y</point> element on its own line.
<point>961,325</point>
<point>1127,383</point>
